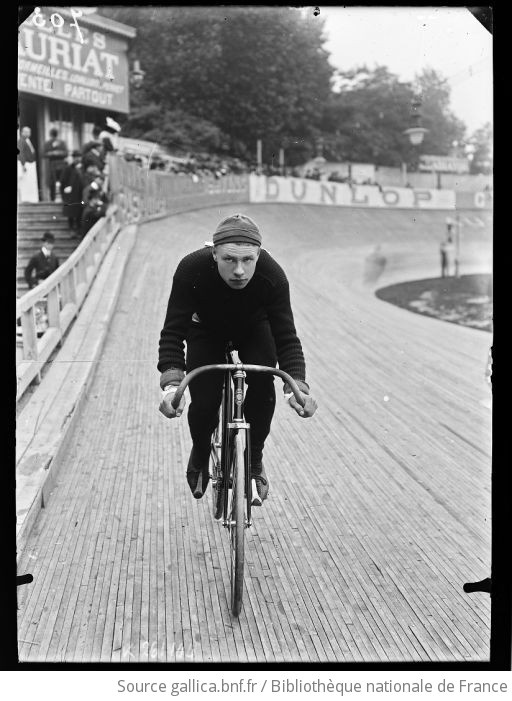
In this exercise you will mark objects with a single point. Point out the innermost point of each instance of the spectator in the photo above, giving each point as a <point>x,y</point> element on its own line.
<point>27,172</point>
<point>89,175</point>
<point>95,185</point>
<point>447,250</point>
<point>55,150</point>
<point>109,134</point>
<point>93,152</point>
<point>43,263</point>
<point>94,210</point>
<point>72,183</point>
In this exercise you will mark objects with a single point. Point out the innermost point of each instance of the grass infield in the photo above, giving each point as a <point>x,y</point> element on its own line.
<point>466,300</point>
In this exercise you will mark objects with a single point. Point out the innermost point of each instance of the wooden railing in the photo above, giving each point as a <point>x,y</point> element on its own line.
<point>61,295</point>
<point>138,195</point>
<point>148,194</point>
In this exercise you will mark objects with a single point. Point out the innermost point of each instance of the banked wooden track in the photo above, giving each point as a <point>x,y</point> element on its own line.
<point>379,506</point>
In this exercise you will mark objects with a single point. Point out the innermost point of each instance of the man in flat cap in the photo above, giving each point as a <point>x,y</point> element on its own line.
<point>234,292</point>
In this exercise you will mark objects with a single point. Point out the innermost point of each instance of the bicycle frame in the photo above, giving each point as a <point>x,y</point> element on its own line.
<point>233,422</point>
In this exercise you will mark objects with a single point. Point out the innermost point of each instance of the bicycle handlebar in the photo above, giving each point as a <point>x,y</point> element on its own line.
<point>230,366</point>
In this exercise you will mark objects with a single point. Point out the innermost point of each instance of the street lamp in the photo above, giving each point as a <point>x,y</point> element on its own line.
<point>469,151</point>
<point>415,132</point>
<point>137,75</point>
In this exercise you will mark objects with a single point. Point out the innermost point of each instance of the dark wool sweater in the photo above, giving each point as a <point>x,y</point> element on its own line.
<point>230,313</point>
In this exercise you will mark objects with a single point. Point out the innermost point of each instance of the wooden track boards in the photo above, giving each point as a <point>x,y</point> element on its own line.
<point>379,507</point>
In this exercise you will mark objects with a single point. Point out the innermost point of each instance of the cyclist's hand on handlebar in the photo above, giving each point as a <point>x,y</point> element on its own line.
<point>169,381</point>
<point>167,408</point>
<point>305,411</point>
<point>310,406</point>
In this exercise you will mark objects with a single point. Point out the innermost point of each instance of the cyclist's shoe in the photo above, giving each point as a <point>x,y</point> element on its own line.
<point>259,476</point>
<point>197,474</point>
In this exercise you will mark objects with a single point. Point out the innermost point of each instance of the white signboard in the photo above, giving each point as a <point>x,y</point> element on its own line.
<point>304,191</point>
<point>362,171</point>
<point>443,164</point>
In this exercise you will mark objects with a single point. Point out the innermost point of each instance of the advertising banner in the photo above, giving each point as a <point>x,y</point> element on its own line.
<point>303,191</point>
<point>474,200</point>
<point>444,164</point>
<point>88,68</point>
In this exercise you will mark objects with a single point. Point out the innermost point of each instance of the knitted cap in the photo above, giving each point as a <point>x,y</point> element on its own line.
<point>237,229</point>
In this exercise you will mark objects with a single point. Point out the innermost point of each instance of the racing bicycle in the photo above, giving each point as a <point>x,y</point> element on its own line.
<point>234,492</point>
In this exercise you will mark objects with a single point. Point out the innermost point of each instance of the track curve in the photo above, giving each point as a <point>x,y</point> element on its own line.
<point>379,507</point>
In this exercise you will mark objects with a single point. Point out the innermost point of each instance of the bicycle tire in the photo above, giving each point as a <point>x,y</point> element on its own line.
<point>237,526</point>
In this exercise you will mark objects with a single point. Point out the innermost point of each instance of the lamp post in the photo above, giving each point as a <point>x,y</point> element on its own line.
<point>457,244</point>
<point>415,132</point>
<point>259,156</point>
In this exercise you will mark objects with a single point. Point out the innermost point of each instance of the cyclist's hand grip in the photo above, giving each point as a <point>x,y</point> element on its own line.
<point>306,408</point>
<point>168,409</point>
<point>175,402</point>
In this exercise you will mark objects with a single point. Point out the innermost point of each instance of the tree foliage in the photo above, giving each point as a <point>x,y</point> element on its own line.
<point>176,130</point>
<point>224,76</point>
<point>443,126</point>
<point>367,118</point>
<point>255,72</point>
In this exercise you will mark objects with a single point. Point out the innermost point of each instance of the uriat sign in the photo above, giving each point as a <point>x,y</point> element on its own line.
<point>56,63</point>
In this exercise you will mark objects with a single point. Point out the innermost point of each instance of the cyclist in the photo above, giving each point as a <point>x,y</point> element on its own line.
<point>234,292</point>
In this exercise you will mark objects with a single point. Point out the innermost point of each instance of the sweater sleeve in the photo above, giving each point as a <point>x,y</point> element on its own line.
<point>171,349</point>
<point>288,345</point>
<point>31,266</point>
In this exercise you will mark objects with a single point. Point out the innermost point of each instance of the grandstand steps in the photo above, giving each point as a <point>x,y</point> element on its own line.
<point>33,220</point>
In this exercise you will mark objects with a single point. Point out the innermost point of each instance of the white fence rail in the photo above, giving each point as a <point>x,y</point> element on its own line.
<point>62,294</point>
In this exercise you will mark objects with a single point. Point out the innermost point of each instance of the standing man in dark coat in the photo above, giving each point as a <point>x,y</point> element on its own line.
<point>72,184</point>
<point>55,150</point>
<point>43,263</point>
<point>94,209</point>
<point>93,153</point>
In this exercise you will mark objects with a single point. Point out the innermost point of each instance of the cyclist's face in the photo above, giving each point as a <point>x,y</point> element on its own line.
<point>236,263</point>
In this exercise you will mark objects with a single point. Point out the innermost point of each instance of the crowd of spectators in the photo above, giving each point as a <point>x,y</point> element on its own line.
<point>198,167</point>
<point>336,177</point>
<point>194,166</point>
<point>83,184</point>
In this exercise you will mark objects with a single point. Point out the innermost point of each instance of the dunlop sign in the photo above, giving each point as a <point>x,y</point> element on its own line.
<point>302,191</point>
<point>56,63</point>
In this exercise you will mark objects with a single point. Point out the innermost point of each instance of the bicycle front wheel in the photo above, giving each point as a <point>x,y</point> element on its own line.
<point>236,518</point>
